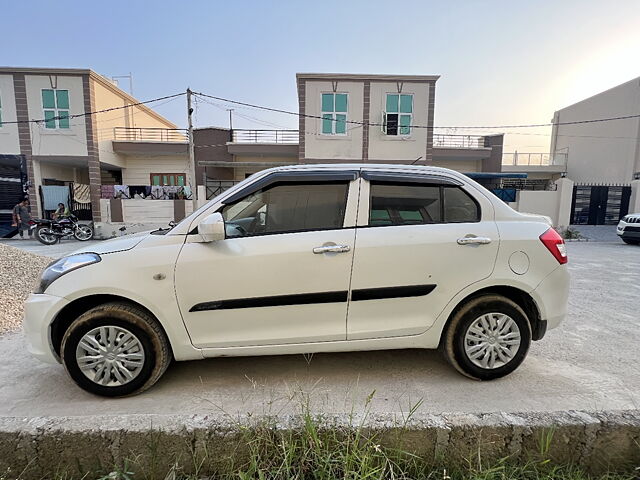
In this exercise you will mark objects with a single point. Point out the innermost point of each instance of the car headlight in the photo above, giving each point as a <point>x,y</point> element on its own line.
<point>65,265</point>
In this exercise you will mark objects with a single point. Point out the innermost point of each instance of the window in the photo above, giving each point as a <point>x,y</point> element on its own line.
<point>287,207</point>
<point>396,119</point>
<point>459,207</point>
<point>397,204</point>
<point>168,179</point>
<point>55,104</point>
<point>334,113</point>
<point>415,204</point>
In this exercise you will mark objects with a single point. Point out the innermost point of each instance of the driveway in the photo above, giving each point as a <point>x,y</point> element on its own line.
<point>58,250</point>
<point>590,362</point>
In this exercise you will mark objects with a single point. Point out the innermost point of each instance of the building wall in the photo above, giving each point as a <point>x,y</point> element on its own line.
<point>385,147</point>
<point>9,141</point>
<point>108,96</point>
<point>211,145</point>
<point>462,165</point>
<point>138,169</point>
<point>64,173</point>
<point>69,142</point>
<point>601,152</point>
<point>333,147</point>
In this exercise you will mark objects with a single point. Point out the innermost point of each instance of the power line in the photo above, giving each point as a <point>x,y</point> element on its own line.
<point>85,114</point>
<point>531,125</point>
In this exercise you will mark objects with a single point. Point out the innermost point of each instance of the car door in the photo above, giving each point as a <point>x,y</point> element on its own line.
<point>420,240</point>
<point>282,274</point>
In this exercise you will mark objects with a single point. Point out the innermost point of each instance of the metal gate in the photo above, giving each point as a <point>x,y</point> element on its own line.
<point>599,204</point>
<point>13,179</point>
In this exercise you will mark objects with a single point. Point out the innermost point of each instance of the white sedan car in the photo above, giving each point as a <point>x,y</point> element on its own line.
<point>629,229</point>
<point>302,259</point>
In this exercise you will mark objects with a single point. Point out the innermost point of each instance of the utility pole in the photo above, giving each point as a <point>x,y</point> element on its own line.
<point>192,160</point>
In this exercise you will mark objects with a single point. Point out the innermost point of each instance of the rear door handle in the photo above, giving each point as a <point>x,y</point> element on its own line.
<point>473,240</point>
<point>332,249</point>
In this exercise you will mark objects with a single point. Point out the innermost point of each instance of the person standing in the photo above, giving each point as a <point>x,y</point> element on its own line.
<point>22,217</point>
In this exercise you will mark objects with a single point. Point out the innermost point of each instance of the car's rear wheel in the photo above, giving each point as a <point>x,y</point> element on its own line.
<point>487,338</point>
<point>115,349</point>
<point>630,242</point>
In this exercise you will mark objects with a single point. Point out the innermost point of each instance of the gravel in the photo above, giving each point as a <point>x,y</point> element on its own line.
<point>19,272</point>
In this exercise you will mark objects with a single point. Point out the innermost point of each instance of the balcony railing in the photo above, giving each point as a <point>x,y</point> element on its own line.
<point>265,136</point>
<point>142,134</point>
<point>534,159</point>
<point>458,141</point>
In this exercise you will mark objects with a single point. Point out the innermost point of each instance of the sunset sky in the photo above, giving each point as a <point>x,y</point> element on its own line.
<point>501,62</point>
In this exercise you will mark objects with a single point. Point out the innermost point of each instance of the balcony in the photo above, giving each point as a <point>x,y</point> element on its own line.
<point>143,134</point>
<point>265,136</point>
<point>534,162</point>
<point>150,141</point>
<point>458,141</point>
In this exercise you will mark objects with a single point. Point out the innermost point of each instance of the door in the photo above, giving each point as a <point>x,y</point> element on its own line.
<point>282,274</point>
<point>418,245</point>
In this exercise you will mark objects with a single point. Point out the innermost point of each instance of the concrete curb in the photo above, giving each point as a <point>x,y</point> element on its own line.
<point>40,446</point>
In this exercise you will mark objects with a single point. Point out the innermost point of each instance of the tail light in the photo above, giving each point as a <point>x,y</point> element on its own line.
<point>555,244</point>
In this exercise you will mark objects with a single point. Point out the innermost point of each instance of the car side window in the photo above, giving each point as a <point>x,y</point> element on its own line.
<point>419,204</point>
<point>404,204</point>
<point>459,207</point>
<point>287,207</point>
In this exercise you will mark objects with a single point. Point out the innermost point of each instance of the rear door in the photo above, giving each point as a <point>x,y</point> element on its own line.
<point>419,241</point>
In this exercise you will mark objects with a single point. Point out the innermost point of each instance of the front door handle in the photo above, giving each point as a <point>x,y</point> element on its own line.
<point>473,240</point>
<point>332,249</point>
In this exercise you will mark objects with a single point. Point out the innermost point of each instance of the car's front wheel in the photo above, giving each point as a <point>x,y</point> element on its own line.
<point>115,349</point>
<point>487,338</point>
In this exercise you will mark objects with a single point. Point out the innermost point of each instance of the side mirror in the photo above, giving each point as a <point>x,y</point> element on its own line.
<point>212,228</point>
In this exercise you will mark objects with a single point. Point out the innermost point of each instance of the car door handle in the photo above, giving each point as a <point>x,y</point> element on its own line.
<point>473,240</point>
<point>332,249</point>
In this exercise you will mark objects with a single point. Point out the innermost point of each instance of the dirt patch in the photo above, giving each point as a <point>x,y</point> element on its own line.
<point>19,272</point>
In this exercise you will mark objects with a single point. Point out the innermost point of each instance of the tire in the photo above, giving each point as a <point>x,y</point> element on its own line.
<point>45,236</point>
<point>455,342</point>
<point>83,233</point>
<point>150,356</point>
<point>630,242</point>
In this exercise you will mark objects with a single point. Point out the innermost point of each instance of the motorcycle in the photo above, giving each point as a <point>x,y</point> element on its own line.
<point>50,232</point>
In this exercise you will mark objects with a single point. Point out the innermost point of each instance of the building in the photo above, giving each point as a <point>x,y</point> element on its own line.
<point>70,147</point>
<point>604,157</point>
<point>348,118</point>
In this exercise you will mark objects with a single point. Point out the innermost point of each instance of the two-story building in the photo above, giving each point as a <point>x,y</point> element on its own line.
<point>48,129</point>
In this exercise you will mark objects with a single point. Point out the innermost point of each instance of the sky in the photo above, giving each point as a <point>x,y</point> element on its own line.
<point>500,62</point>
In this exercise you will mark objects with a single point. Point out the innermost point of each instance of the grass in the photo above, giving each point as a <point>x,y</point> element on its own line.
<point>315,451</point>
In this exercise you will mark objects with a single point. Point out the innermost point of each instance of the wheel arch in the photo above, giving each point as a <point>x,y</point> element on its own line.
<point>523,299</point>
<point>77,307</point>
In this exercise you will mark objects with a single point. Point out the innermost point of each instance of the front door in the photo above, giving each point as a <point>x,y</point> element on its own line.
<point>408,263</point>
<point>282,274</point>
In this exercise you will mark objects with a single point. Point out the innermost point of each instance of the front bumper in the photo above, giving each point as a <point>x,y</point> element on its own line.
<point>552,296</point>
<point>39,311</point>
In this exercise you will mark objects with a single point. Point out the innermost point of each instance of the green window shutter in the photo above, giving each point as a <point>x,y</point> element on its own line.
<point>49,121</point>
<point>181,180</point>
<point>0,118</point>
<point>341,124</point>
<point>327,102</point>
<point>327,123</point>
<point>63,121</point>
<point>392,103</point>
<point>406,103</point>
<point>62,99</point>
<point>405,122</point>
<point>155,180</point>
<point>48,99</point>
<point>341,102</point>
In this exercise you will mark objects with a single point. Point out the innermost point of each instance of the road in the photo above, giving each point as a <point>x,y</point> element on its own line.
<point>590,362</point>
<point>58,250</point>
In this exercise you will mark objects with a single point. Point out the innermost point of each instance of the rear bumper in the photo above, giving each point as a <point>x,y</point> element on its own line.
<point>552,295</point>
<point>39,312</point>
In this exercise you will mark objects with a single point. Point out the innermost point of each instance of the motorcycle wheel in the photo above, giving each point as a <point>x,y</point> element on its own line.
<point>46,236</point>
<point>83,233</point>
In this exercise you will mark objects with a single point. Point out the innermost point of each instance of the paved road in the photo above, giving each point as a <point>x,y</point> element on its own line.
<point>591,363</point>
<point>54,251</point>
